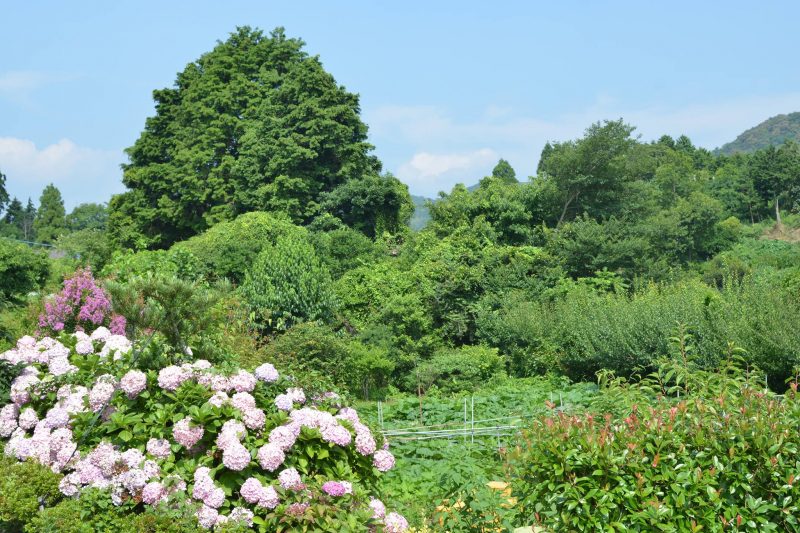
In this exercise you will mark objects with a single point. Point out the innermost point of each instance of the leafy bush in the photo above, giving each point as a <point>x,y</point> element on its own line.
<point>461,369</point>
<point>24,487</point>
<point>267,456</point>
<point>315,349</point>
<point>228,249</point>
<point>81,304</point>
<point>126,265</point>
<point>22,270</point>
<point>90,247</point>
<point>287,285</point>
<point>721,456</point>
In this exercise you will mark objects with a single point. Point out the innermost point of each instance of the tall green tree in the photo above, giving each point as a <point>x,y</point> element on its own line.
<point>28,221</point>
<point>776,175</point>
<point>51,218</point>
<point>504,171</point>
<point>589,172</point>
<point>88,216</point>
<point>255,124</point>
<point>3,192</point>
<point>13,218</point>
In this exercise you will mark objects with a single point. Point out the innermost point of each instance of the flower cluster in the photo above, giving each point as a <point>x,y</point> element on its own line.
<point>266,449</point>
<point>81,303</point>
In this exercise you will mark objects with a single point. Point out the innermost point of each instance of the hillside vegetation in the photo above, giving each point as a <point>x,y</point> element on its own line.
<point>771,132</point>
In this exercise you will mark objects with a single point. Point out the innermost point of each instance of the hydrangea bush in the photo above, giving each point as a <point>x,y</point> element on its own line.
<point>246,449</point>
<point>82,304</point>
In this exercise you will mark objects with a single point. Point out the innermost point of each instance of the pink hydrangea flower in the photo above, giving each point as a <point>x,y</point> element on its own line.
<point>172,377</point>
<point>252,490</point>
<point>254,418</point>
<point>283,402</point>
<point>266,373</point>
<point>242,515</point>
<point>133,383</point>
<point>270,457</point>
<point>333,488</point>
<point>242,381</point>
<point>243,401</point>
<point>284,436</point>
<point>187,435</point>
<point>28,418</point>
<point>84,347</point>
<point>236,457</point>
<point>158,448</point>
<point>290,479</point>
<point>383,460</point>
<point>336,434</point>
<point>207,516</point>
<point>153,492</point>
<point>269,498</point>
<point>394,523</point>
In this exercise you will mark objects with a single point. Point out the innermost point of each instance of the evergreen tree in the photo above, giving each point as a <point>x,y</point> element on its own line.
<point>505,172</point>
<point>255,124</point>
<point>51,218</point>
<point>28,221</point>
<point>3,192</point>
<point>12,220</point>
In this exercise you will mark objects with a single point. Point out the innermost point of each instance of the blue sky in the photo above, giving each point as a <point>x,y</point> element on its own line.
<point>447,88</point>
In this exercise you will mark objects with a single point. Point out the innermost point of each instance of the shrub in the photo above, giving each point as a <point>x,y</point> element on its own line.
<point>90,247</point>
<point>268,455</point>
<point>80,304</point>
<point>179,263</point>
<point>24,486</point>
<point>288,285</point>
<point>22,270</point>
<point>461,369</point>
<point>721,456</point>
<point>228,249</point>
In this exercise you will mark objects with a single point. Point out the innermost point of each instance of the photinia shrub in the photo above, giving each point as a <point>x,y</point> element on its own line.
<point>81,304</point>
<point>723,455</point>
<point>242,448</point>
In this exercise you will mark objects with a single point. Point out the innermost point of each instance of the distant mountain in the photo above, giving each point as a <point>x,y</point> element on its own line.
<point>421,215</point>
<point>772,131</point>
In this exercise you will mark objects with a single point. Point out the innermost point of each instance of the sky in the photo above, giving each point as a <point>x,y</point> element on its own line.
<point>447,88</point>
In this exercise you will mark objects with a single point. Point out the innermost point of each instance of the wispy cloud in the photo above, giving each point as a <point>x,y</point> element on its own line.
<point>442,150</point>
<point>82,174</point>
<point>18,86</point>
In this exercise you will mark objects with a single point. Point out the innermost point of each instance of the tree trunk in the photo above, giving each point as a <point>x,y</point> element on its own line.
<point>777,212</point>
<point>570,199</point>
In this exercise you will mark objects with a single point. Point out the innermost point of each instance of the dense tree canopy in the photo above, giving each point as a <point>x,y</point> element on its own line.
<point>51,217</point>
<point>255,124</point>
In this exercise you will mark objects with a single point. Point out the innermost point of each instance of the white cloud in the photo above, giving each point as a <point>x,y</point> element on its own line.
<point>428,173</point>
<point>441,151</point>
<point>26,80</point>
<point>82,174</point>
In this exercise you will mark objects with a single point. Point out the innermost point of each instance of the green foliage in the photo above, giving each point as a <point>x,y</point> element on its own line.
<point>89,247</point>
<point>771,132</point>
<point>22,270</point>
<point>51,221</point>
<point>372,204</point>
<point>504,171</point>
<point>455,370</point>
<point>228,249</point>
<point>181,311</point>
<point>126,265</point>
<point>255,124</point>
<point>88,216</point>
<point>344,249</point>
<point>311,349</point>
<point>588,172</point>
<point>287,285</point>
<point>95,512</point>
<point>722,458</point>
<point>24,487</point>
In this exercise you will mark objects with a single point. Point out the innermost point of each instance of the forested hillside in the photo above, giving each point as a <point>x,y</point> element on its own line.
<point>772,132</point>
<point>185,356</point>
